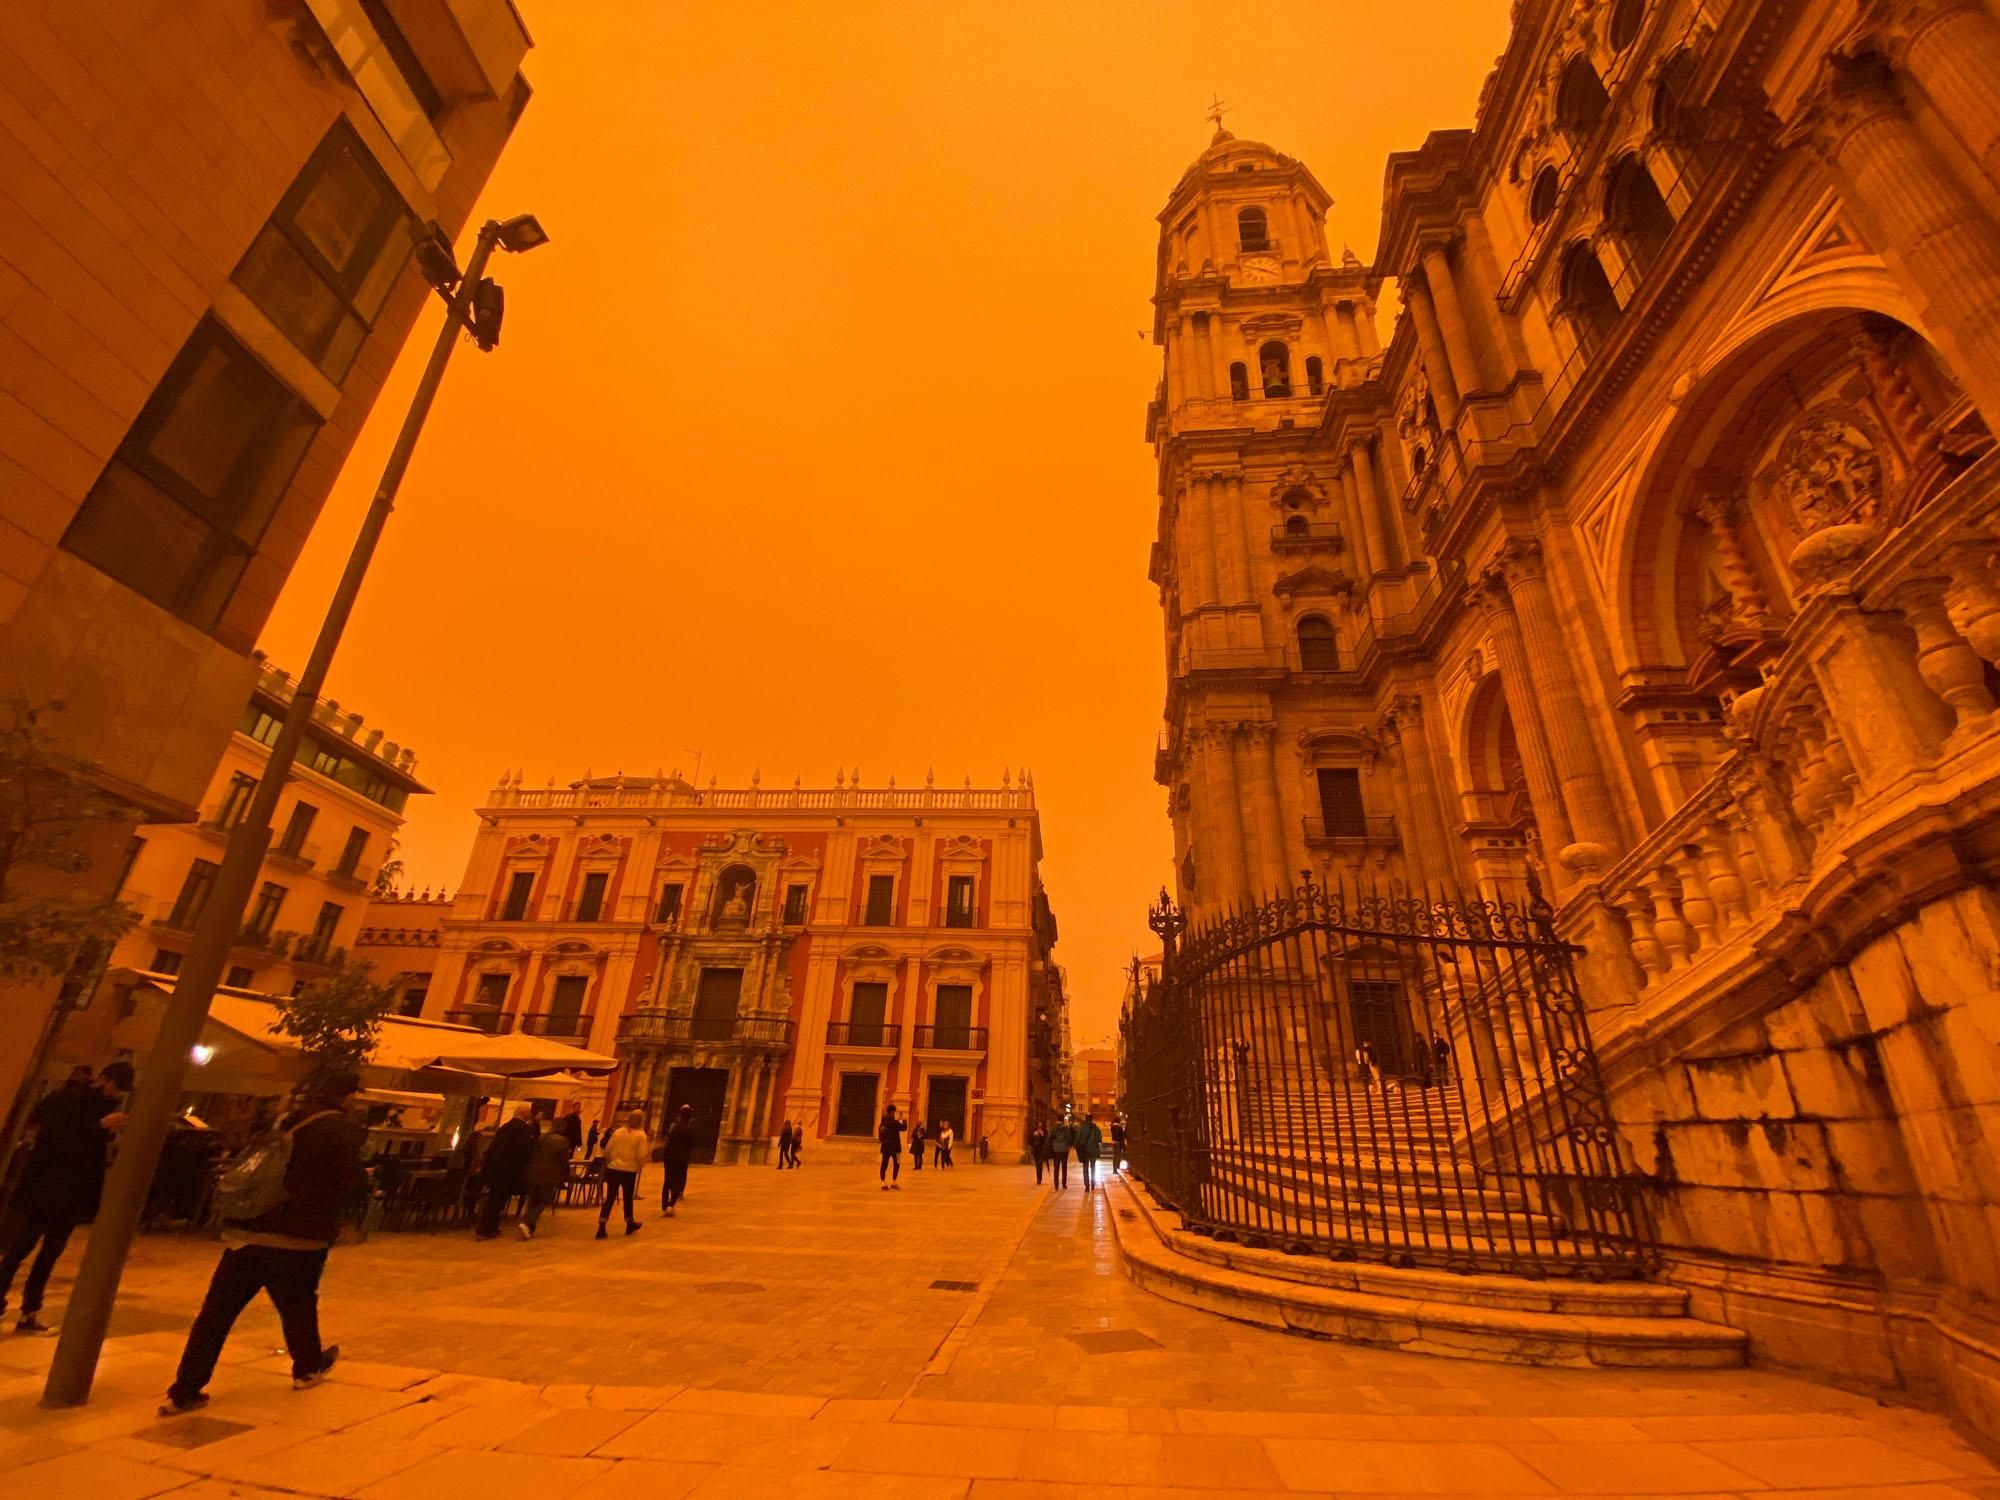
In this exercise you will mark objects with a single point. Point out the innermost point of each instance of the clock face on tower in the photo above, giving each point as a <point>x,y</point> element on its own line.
<point>1259,267</point>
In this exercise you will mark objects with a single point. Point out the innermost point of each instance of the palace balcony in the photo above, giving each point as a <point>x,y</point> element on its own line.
<point>492,1022</point>
<point>951,1038</point>
<point>557,1026</point>
<point>864,1034</point>
<point>661,1028</point>
<point>1370,830</point>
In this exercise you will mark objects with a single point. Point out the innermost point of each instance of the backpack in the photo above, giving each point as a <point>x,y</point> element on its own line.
<point>254,1184</point>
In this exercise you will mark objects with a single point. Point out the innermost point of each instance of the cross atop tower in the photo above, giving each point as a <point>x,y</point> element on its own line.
<point>1216,110</point>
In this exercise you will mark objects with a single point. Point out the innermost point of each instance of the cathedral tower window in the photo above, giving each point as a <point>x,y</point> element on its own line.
<point>1274,365</point>
<point>1239,381</point>
<point>1543,195</point>
<point>1580,98</point>
<point>1317,651</point>
<point>1625,18</point>
<point>1587,299</point>
<point>1252,229</point>
<point>1636,212</point>
<point>1671,116</point>
<point>1315,376</point>
<point>1297,526</point>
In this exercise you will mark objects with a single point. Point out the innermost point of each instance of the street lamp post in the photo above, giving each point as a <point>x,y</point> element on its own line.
<point>88,1315</point>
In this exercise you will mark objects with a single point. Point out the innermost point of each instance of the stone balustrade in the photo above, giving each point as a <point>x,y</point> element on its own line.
<point>765,799</point>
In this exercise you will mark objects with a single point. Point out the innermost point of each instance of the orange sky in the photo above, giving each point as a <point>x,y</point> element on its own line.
<point>814,439</point>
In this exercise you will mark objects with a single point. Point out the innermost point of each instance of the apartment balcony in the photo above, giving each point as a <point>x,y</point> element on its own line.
<point>273,943</point>
<point>300,856</point>
<point>557,1026</point>
<point>951,1038</point>
<point>863,1034</point>
<point>1370,830</point>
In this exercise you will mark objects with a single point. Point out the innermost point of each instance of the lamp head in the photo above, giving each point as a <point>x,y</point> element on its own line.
<point>522,232</point>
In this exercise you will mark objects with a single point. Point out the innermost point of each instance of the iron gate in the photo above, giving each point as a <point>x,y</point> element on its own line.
<point>1380,1075</point>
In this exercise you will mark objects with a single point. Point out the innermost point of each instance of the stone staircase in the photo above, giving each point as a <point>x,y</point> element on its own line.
<point>1510,1319</point>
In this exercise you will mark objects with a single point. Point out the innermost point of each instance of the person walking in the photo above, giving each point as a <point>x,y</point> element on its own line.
<point>917,1146</point>
<point>1089,1149</point>
<point>505,1163</point>
<point>590,1141</point>
<point>1364,1059</point>
<point>1441,1057</point>
<point>571,1125</point>
<point>784,1145</point>
<point>625,1154</point>
<point>944,1143</point>
<point>1117,1143</point>
<point>1061,1137</point>
<point>676,1151</point>
<point>62,1181</point>
<point>282,1251</point>
<point>889,1135</point>
<point>1038,1147</point>
<point>546,1172</point>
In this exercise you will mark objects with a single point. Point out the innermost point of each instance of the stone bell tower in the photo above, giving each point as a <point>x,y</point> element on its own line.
<point>1261,325</point>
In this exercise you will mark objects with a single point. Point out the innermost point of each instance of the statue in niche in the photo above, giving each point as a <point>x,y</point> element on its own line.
<point>736,905</point>
<point>1829,473</point>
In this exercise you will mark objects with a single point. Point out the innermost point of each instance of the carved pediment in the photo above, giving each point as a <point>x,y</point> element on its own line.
<point>1296,488</point>
<point>961,849</point>
<point>1271,325</point>
<point>1313,583</point>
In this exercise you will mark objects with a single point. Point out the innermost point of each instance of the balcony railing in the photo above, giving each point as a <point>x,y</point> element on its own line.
<point>556,1025</point>
<point>659,1026</point>
<point>863,1034</point>
<point>1369,828</point>
<point>492,1022</point>
<point>1308,536</point>
<point>952,1038</point>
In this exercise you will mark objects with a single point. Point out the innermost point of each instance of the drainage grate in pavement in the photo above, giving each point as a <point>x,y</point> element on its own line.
<point>190,1432</point>
<point>731,1288</point>
<point>954,1286</point>
<point>1114,1341</point>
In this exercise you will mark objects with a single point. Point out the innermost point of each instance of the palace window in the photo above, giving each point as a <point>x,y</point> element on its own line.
<point>868,1013</point>
<point>881,901</point>
<point>590,904</point>
<point>958,901</point>
<point>1580,97</point>
<point>669,909</point>
<point>795,905</point>
<point>566,1003</point>
<point>177,513</point>
<point>491,993</point>
<point>412,1002</point>
<point>1252,229</point>
<point>323,266</point>
<point>520,888</point>
<point>1318,651</point>
<point>1635,211</point>
<point>1587,299</point>
<point>1340,806</point>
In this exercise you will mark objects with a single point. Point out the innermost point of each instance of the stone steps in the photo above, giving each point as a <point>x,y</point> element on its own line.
<point>1507,1319</point>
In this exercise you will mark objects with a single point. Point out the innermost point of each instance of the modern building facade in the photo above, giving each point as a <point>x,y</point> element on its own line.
<point>762,955</point>
<point>207,268</point>
<point>1094,1081</point>
<point>1652,553</point>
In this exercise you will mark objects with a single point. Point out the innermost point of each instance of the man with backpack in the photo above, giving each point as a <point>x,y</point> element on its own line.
<point>281,1208</point>
<point>1089,1149</point>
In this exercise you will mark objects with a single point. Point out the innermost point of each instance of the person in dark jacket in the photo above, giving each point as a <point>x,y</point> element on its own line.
<point>1089,1149</point>
<point>784,1145</point>
<point>1061,1138</point>
<point>1038,1147</point>
<point>571,1125</point>
<point>889,1135</point>
<point>676,1151</point>
<point>61,1184</point>
<point>590,1141</point>
<point>917,1146</point>
<point>282,1253</point>
<point>543,1177</point>
<point>505,1163</point>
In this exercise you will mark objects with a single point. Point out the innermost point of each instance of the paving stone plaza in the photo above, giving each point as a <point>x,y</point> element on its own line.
<point>806,1334</point>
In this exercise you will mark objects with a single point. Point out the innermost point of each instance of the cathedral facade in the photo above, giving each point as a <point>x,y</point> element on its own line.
<point>1652,554</point>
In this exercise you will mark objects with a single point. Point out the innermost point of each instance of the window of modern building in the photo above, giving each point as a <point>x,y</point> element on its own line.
<point>412,1001</point>
<point>881,901</point>
<point>1340,806</point>
<point>669,909</point>
<point>1274,368</point>
<point>236,800</point>
<point>590,902</point>
<point>520,889</point>
<point>194,894</point>
<point>351,851</point>
<point>297,827</point>
<point>239,977</point>
<point>182,505</point>
<point>1315,374</point>
<point>1318,651</point>
<point>491,992</point>
<point>1239,381</point>
<point>795,905</point>
<point>855,1113</point>
<point>1252,229</point>
<point>958,910</point>
<point>355,773</point>
<point>405,57</point>
<point>264,910</point>
<point>320,939</point>
<point>166,961</point>
<point>323,265</point>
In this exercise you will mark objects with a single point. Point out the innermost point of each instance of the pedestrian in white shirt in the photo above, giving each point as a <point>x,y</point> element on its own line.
<point>625,1155</point>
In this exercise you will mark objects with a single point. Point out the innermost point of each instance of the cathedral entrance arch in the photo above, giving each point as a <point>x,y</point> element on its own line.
<point>705,1091</point>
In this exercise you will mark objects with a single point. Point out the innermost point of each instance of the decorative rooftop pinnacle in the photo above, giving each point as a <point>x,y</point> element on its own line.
<point>1216,110</point>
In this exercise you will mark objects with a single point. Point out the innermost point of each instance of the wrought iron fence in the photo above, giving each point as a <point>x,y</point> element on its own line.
<point>1386,1075</point>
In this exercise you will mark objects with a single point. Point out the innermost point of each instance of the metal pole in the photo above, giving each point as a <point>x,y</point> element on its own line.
<point>88,1315</point>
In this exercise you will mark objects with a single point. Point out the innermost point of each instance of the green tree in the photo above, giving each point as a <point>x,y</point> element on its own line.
<point>388,872</point>
<point>338,1018</point>
<point>48,801</point>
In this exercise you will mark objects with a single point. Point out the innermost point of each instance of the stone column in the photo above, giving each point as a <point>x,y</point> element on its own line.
<point>1227,878</point>
<point>1437,363</point>
<point>1592,815</point>
<point>1952,49</point>
<point>1246,535</point>
<point>1225,539</point>
<point>1524,711</point>
<point>1357,533</point>
<point>1433,835</point>
<point>1361,454</point>
<point>1451,322</point>
<point>1197,547</point>
<point>1261,792</point>
<point>1946,244</point>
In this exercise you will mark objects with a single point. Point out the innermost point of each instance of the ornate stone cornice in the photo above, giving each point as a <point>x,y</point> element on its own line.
<point>1856,89</point>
